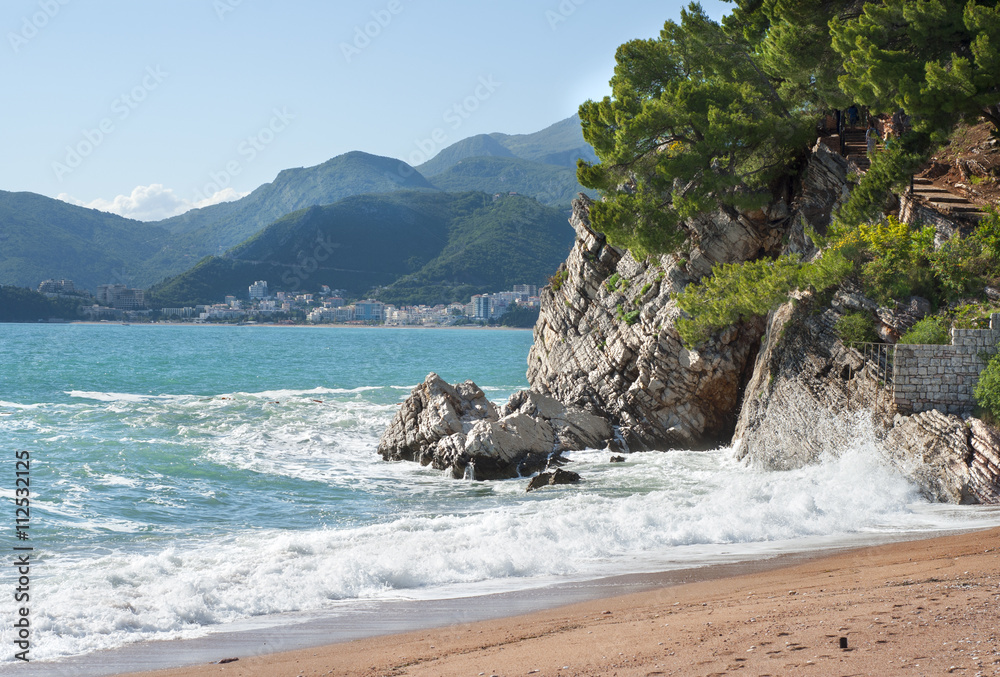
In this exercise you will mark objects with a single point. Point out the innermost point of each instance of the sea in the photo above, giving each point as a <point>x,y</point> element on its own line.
<point>188,480</point>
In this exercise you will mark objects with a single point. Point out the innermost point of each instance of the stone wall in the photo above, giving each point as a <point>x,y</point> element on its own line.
<point>943,377</point>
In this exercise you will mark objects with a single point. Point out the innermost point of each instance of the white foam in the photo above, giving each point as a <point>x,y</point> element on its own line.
<point>683,507</point>
<point>16,405</point>
<point>113,397</point>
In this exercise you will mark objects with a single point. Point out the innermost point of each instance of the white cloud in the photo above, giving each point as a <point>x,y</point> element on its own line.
<point>152,202</point>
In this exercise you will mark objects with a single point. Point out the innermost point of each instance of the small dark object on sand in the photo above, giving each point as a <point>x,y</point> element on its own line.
<point>843,642</point>
<point>228,660</point>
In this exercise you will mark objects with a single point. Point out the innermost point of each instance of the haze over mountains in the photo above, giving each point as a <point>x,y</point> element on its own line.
<point>45,238</point>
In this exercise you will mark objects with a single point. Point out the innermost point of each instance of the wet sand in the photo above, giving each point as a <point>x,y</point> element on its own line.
<point>914,608</point>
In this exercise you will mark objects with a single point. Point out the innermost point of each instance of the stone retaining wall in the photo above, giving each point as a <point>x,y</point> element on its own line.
<point>943,377</point>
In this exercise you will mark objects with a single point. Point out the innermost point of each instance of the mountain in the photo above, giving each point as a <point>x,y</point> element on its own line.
<point>508,241</point>
<point>355,173</point>
<point>559,144</point>
<point>481,145</point>
<point>548,184</point>
<point>43,238</point>
<point>452,245</point>
<point>541,165</point>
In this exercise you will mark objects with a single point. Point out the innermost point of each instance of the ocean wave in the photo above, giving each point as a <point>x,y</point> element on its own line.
<point>655,511</point>
<point>114,397</point>
<point>16,405</point>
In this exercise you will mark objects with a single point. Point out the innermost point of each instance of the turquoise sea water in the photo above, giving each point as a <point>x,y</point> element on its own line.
<point>186,478</point>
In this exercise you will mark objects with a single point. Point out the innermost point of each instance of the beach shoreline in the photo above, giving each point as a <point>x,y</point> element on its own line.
<point>920,602</point>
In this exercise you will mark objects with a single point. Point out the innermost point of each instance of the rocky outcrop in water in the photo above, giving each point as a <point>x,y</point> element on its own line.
<point>548,479</point>
<point>457,428</point>
<point>801,369</point>
<point>933,449</point>
<point>605,345</point>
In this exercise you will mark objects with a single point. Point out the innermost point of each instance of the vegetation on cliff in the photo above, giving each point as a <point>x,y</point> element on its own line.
<point>714,115</point>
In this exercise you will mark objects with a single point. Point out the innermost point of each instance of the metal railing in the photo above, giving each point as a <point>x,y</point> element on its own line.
<point>877,371</point>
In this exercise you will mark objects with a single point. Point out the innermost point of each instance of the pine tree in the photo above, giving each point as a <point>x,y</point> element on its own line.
<point>936,60</point>
<point>693,123</point>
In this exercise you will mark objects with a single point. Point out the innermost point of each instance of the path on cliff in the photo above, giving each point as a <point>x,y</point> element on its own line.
<point>855,148</point>
<point>945,201</point>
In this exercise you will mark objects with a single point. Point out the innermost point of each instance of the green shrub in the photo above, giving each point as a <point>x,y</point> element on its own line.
<point>856,328</point>
<point>930,330</point>
<point>612,282</point>
<point>972,316</point>
<point>738,291</point>
<point>558,279</point>
<point>987,391</point>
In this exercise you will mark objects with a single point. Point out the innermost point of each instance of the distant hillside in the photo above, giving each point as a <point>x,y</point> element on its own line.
<point>541,165</point>
<point>369,241</point>
<point>514,240</point>
<point>481,145</point>
<point>548,184</point>
<point>558,144</point>
<point>43,238</point>
<point>206,231</point>
<point>18,304</point>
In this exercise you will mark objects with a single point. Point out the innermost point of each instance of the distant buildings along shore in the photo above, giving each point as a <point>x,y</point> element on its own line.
<point>121,302</point>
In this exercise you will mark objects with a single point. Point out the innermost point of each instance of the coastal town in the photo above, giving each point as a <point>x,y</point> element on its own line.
<point>260,305</point>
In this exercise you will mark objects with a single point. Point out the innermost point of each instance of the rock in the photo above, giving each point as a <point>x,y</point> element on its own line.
<point>897,320</point>
<point>824,189</point>
<point>435,411</point>
<point>802,369</point>
<point>933,449</point>
<point>457,428</point>
<point>809,394</point>
<point>558,476</point>
<point>605,340</point>
<point>985,465</point>
<point>617,459</point>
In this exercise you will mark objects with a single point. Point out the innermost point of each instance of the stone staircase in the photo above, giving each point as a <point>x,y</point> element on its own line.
<point>946,202</point>
<point>855,148</point>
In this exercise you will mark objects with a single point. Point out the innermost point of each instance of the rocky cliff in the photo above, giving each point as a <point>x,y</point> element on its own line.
<point>784,390</point>
<point>605,339</point>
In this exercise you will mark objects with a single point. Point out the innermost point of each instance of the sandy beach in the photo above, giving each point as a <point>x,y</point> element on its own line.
<point>915,608</point>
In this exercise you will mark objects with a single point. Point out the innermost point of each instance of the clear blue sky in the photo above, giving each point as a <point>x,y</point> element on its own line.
<point>159,99</point>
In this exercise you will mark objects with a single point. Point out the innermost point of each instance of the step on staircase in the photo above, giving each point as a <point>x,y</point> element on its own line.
<point>945,201</point>
<point>855,148</point>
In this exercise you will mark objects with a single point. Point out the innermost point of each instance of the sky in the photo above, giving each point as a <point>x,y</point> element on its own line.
<point>147,108</point>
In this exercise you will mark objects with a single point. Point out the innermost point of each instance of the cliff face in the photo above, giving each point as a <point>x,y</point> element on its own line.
<point>605,339</point>
<point>784,391</point>
<point>811,394</point>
